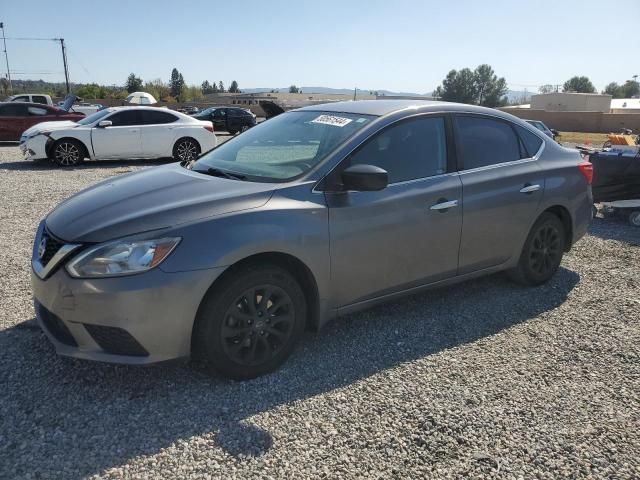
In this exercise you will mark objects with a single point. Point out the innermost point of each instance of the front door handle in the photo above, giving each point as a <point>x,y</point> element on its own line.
<point>530,188</point>
<point>444,205</point>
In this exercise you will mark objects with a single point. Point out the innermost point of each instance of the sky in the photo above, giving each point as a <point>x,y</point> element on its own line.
<point>399,45</point>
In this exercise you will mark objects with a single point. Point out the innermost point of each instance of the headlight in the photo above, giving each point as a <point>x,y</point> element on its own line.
<point>121,258</point>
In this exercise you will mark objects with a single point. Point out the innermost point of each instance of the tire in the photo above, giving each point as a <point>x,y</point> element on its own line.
<point>542,252</point>
<point>68,152</point>
<point>239,333</point>
<point>634,218</point>
<point>186,150</point>
<point>244,128</point>
<point>233,132</point>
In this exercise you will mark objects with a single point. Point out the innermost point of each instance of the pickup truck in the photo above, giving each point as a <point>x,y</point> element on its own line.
<point>31,98</point>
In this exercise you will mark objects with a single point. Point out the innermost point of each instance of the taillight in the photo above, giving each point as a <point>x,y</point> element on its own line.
<point>586,168</point>
<point>209,128</point>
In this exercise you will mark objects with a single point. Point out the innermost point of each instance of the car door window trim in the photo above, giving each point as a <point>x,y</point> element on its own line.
<point>457,135</point>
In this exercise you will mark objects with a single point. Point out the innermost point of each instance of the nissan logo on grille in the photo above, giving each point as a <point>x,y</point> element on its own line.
<point>42,248</point>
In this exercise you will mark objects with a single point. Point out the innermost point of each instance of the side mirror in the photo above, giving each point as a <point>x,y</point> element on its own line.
<point>104,123</point>
<point>364,178</point>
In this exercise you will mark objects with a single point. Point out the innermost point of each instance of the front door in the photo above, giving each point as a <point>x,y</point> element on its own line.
<point>407,234</point>
<point>121,139</point>
<point>502,186</point>
<point>219,119</point>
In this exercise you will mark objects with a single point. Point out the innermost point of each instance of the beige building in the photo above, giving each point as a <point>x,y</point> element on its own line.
<point>571,102</point>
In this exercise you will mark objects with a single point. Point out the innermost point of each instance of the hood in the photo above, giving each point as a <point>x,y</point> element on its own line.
<point>69,100</point>
<point>151,199</point>
<point>49,127</point>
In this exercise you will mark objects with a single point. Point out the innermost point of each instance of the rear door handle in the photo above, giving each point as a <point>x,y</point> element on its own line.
<point>530,188</point>
<point>444,205</point>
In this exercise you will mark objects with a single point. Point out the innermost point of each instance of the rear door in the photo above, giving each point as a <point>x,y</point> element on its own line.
<point>13,121</point>
<point>121,139</point>
<point>157,132</point>
<point>399,237</point>
<point>502,187</point>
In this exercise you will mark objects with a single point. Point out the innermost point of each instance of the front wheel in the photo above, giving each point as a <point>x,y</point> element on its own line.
<point>186,150</point>
<point>542,252</point>
<point>68,152</point>
<point>249,324</point>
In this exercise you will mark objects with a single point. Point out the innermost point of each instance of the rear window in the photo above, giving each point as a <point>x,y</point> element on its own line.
<point>531,141</point>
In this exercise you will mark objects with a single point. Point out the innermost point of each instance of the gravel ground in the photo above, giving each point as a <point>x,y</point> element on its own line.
<point>483,379</point>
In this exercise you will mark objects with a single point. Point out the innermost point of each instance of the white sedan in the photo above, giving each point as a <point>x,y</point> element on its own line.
<point>120,133</point>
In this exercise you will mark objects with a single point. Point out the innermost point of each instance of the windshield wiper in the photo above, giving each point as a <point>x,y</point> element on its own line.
<point>216,172</point>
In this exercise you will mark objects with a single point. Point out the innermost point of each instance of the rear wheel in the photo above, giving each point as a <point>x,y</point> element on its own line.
<point>186,150</point>
<point>244,128</point>
<point>68,152</point>
<point>542,251</point>
<point>634,218</point>
<point>249,324</point>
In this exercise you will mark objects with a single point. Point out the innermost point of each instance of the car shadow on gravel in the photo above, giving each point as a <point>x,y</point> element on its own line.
<point>616,228</point>
<point>68,419</point>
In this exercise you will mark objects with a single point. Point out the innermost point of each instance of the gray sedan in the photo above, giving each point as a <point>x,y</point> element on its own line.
<point>308,216</point>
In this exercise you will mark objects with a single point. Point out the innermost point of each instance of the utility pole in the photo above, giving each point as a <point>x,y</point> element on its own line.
<point>64,60</point>
<point>355,89</point>
<point>6,57</point>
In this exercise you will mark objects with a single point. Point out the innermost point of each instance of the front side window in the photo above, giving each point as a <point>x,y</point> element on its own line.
<point>125,118</point>
<point>411,149</point>
<point>285,147</point>
<point>21,98</point>
<point>13,110</point>
<point>484,141</point>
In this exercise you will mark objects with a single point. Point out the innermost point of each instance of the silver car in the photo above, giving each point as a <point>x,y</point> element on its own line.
<point>310,215</point>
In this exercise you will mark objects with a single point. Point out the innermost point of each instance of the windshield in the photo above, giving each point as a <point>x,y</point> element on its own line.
<point>284,147</point>
<point>94,117</point>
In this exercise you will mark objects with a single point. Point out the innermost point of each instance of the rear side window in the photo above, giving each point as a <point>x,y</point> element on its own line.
<point>531,141</point>
<point>126,118</point>
<point>485,142</point>
<point>39,99</point>
<point>412,149</point>
<point>151,117</point>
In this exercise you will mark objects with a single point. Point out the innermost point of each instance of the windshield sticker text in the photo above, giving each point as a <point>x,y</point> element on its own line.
<point>332,120</point>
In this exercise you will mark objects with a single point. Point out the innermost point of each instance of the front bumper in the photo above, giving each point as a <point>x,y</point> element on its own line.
<point>139,319</point>
<point>34,148</point>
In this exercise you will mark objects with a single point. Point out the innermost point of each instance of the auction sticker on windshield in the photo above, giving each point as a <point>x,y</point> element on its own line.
<point>332,120</point>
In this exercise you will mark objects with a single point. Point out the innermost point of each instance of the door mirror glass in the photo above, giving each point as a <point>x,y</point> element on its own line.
<point>364,178</point>
<point>105,123</point>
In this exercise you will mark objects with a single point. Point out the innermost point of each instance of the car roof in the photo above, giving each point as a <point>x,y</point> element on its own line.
<point>386,107</point>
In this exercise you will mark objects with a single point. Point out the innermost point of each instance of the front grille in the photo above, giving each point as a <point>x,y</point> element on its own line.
<point>55,326</point>
<point>52,246</point>
<point>116,341</point>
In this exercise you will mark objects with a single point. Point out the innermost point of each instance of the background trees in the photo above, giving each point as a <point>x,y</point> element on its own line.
<point>234,87</point>
<point>176,84</point>
<point>133,83</point>
<point>579,85</point>
<point>479,87</point>
<point>629,89</point>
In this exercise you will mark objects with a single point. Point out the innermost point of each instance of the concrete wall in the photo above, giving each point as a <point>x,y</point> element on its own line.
<point>593,122</point>
<point>571,102</point>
